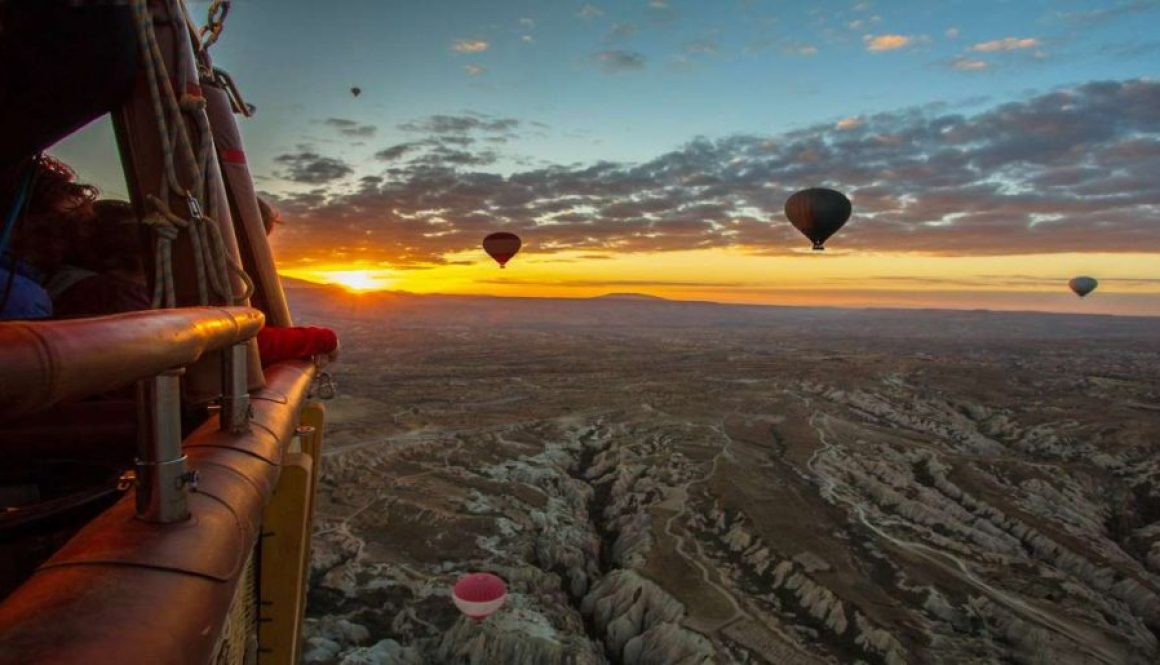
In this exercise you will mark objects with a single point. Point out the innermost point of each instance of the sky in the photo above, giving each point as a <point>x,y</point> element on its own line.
<point>992,149</point>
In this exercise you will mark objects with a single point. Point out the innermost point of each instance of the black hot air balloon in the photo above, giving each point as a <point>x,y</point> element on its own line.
<point>502,246</point>
<point>356,91</point>
<point>818,213</point>
<point>1082,286</point>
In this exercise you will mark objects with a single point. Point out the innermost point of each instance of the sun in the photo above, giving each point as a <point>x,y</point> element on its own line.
<point>357,280</point>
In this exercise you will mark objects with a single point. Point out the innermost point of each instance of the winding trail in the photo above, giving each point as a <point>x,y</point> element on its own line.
<point>787,649</point>
<point>681,499</point>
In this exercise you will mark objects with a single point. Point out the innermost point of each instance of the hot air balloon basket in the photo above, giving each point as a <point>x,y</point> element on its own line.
<point>238,644</point>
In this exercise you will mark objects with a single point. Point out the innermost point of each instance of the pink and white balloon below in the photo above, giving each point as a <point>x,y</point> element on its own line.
<point>479,595</point>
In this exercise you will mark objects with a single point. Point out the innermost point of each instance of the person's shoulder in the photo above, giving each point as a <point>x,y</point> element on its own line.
<point>100,294</point>
<point>66,278</point>
<point>22,297</point>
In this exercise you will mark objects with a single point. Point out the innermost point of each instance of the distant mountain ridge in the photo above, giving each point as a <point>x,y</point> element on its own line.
<point>629,296</point>
<point>314,302</point>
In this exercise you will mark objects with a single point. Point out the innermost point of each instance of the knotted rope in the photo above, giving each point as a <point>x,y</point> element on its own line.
<point>212,262</point>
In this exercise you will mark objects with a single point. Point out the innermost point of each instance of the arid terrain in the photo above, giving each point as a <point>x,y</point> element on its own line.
<point>669,483</point>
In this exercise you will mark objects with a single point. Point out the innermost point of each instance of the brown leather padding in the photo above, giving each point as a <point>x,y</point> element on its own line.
<point>123,591</point>
<point>48,362</point>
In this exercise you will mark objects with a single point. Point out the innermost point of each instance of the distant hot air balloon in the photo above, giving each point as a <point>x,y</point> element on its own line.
<point>818,213</point>
<point>356,91</point>
<point>1083,285</point>
<point>479,595</point>
<point>501,246</point>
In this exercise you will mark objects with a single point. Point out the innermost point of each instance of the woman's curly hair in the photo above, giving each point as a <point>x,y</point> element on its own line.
<point>53,184</point>
<point>56,220</point>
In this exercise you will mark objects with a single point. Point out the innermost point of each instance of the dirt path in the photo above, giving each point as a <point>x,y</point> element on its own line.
<point>742,626</point>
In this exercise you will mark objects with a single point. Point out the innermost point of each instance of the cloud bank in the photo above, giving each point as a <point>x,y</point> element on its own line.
<point>1071,170</point>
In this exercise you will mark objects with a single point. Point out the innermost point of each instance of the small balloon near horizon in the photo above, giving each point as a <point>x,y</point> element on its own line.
<point>1082,286</point>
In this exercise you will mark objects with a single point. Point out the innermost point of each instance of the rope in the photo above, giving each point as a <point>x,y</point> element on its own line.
<point>213,264</point>
<point>164,101</point>
<point>167,227</point>
<point>222,78</point>
<point>195,105</point>
<point>207,242</point>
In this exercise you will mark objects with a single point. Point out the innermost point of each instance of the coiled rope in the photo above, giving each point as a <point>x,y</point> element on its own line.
<point>213,264</point>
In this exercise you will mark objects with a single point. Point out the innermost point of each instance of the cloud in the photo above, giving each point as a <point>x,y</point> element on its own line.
<point>1006,44</point>
<point>1064,171</point>
<point>460,124</point>
<point>527,23</point>
<point>474,70</point>
<point>588,12</point>
<point>312,168</point>
<point>848,123</point>
<point>452,141</point>
<point>952,33</point>
<point>396,151</point>
<point>660,12</point>
<point>1132,49</point>
<point>700,47</point>
<point>969,64</point>
<point>470,45</point>
<point>878,43</point>
<point>1121,9</point>
<point>614,61</point>
<point>619,33</point>
<point>351,128</point>
<point>799,48</point>
<point>992,281</point>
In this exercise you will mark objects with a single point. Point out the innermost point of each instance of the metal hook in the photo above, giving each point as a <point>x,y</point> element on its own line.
<point>327,388</point>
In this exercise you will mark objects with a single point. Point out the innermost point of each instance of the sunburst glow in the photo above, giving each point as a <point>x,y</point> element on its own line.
<point>358,281</point>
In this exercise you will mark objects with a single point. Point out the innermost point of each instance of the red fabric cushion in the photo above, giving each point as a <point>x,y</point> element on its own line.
<point>278,344</point>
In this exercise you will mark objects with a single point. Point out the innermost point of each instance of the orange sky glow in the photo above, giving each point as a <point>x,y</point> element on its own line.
<point>833,278</point>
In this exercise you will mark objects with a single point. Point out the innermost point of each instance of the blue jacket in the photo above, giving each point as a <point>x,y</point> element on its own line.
<point>26,299</point>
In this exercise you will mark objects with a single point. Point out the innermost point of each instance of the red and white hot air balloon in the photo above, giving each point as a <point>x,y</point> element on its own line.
<point>479,595</point>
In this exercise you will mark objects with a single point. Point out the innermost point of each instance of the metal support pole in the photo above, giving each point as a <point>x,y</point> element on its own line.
<point>235,413</point>
<point>162,476</point>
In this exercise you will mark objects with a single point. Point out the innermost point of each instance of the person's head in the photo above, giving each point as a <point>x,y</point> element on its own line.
<point>54,225</point>
<point>116,244</point>
<point>270,214</point>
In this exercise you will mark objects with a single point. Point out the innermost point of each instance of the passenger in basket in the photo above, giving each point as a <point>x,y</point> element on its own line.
<point>46,216</point>
<point>109,272</point>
